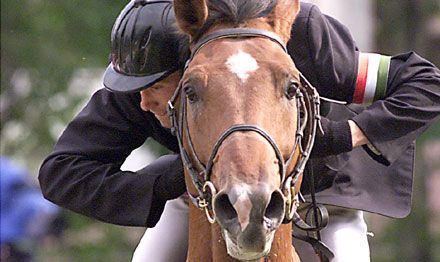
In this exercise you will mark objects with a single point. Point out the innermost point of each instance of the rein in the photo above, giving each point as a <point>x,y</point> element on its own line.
<point>308,101</point>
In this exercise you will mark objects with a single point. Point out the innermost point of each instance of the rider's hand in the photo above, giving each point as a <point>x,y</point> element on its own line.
<point>335,140</point>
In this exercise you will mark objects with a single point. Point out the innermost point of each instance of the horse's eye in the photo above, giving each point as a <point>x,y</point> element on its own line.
<point>291,89</point>
<point>190,94</point>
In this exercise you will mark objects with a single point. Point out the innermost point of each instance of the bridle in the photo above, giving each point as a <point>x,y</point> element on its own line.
<point>308,119</point>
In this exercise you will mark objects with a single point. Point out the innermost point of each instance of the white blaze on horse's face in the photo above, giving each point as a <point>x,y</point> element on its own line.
<point>242,64</point>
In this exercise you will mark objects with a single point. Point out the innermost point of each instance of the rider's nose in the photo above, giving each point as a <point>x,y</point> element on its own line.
<point>146,103</point>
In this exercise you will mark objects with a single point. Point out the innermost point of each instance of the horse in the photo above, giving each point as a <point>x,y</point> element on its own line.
<point>244,118</point>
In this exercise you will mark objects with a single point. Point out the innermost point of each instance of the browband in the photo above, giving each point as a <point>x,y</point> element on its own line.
<point>236,33</point>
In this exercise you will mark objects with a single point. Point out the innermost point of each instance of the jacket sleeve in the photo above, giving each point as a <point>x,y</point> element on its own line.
<point>324,51</point>
<point>83,171</point>
<point>411,104</point>
<point>401,93</point>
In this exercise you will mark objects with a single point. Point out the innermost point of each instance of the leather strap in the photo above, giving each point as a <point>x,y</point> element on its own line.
<point>236,33</point>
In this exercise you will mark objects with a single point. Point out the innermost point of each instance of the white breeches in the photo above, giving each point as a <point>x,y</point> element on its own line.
<point>345,235</point>
<point>168,240</point>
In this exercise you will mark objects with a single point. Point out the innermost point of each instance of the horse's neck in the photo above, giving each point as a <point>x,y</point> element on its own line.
<point>207,244</point>
<point>282,249</point>
<point>205,240</point>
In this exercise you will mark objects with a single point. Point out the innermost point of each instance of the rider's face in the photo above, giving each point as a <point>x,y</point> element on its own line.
<point>155,98</point>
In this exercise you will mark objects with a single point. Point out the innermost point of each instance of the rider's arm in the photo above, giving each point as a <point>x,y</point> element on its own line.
<point>410,101</point>
<point>411,104</point>
<point>83,171</point>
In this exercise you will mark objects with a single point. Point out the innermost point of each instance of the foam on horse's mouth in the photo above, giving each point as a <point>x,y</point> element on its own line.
<point>236,252</point>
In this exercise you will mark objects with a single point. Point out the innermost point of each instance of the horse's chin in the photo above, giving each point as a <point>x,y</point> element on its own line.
<point>244,255</point>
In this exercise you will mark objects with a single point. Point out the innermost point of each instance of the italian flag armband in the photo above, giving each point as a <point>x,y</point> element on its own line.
<point>372,78</point>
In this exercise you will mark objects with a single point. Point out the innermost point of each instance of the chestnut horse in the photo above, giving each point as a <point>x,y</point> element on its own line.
<point>236,114</point>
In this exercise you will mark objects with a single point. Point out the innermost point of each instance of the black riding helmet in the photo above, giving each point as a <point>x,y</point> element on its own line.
<point>144,46</point>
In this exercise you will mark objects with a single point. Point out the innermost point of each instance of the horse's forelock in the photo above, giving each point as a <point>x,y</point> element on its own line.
<point>238,11</point>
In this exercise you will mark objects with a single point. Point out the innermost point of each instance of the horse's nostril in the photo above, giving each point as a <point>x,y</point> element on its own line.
<point>223,208</point>
<point>275,208</point>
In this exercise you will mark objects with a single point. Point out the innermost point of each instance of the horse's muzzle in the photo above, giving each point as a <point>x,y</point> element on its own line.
<point>249,218</point>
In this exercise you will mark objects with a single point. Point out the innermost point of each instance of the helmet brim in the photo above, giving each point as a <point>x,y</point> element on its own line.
<point>118,82</point>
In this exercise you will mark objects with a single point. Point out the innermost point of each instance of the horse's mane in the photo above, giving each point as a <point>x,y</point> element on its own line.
<point>228,11</point>
<point>238,11</point>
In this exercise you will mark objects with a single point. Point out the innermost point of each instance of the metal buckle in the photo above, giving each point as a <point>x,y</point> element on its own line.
<point>203,203</point>
<point>288,215</point>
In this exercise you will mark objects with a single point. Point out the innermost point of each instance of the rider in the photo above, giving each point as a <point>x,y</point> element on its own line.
<point>83,172</point>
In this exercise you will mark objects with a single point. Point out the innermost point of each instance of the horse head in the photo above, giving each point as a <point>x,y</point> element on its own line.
<point>238,118</point>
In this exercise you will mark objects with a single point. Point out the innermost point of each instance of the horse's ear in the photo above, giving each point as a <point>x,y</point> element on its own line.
<point>191,15</point>
<point>282,17</point>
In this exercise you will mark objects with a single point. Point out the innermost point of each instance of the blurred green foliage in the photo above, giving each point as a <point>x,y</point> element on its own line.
<point>409,25</point>
<point>88,240</point>
<point>43,42</point>
<point>402,26</point>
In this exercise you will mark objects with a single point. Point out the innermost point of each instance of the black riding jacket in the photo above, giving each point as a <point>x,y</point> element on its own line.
<point>83,171</point>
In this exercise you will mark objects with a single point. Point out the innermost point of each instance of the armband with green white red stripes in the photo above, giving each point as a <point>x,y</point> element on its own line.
<point>372,78</point>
